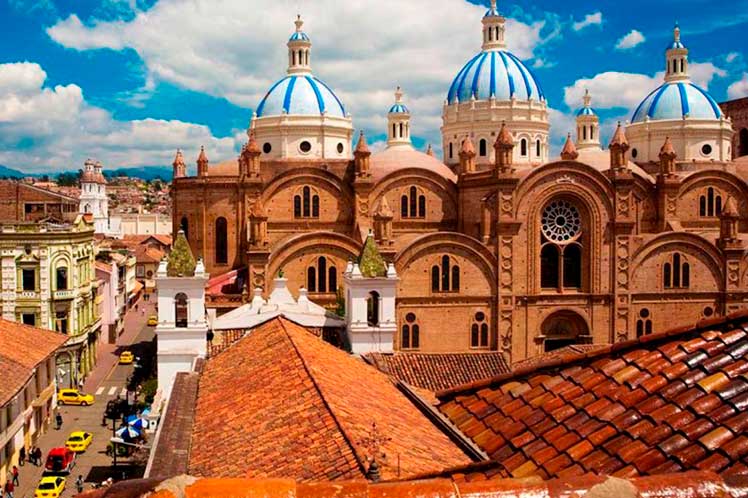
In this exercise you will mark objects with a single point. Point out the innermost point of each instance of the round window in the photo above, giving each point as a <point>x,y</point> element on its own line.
<point>479,316</point>
<point>561,221</point>
<point>708,311</point>
<point>634,153</point>
<point>266,147</point>
<point>305,147</point>
<point>410,317</point>
<point>706,149</point>
<point>341,148</point>
<point>644,313</point>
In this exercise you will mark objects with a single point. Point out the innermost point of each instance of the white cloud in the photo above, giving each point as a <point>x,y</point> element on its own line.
<point>738,89</point>
<point>595,19</point>
<point>731,57</point>
<point>631,40</point>
<point>43,129</point>
<point>226,49</point>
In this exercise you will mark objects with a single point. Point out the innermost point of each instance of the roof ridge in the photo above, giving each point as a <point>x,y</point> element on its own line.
<point>343,432</point>
<point>740,316</point>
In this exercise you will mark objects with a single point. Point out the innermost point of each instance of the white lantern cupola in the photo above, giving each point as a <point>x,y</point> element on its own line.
<point>588,125</point>
<point>299,50</point>
<point>676,57</point>
<point>494,26</point>
<point>398,123</point>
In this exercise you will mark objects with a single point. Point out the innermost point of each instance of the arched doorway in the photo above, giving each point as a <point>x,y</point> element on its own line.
<point>743,143</point>
<point>563,328</point>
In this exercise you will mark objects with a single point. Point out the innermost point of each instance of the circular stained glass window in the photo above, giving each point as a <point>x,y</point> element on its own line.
<point>561,221</point>
<point>410,318</point>
<point>305,146</point>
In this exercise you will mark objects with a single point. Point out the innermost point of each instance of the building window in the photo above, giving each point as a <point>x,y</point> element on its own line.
<point>482,148</point>
<point>479,331</point>
<point>29,319</point>
<point>410,333</point>
<point>222,245</point>
<point>634,152</point>
<point>28,279</point>
<point>413,204</point>
<point>450,151</point>
<point>710,204</point>
<point>706,149</point>
<point>61,278</point>
<point>372,308</point>
<point>341,148</point>
<point>140,271</point>
<point>523,147</point>
<point>561,255</point>
<point>184,226</point>
<point>306,203</point>
<point>321,278</point>
<point>743,142</point>
<point>180,310</point>
<point>305,147</point>
<point>266,147</point>
<point>61,322</point>
<point>537,147</point>
<point>676,273</point>
<point>644,323</point>
<point>445,277</point>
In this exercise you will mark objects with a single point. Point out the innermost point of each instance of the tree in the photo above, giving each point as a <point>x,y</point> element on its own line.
<point>68,179</point>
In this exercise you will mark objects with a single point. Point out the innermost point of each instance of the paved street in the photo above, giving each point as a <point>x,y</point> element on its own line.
<point>106,381</point>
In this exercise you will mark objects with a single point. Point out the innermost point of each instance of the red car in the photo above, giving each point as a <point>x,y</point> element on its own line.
<point>60,461</point>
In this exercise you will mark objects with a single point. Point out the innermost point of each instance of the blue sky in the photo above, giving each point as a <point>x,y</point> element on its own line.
<point>129,81</point>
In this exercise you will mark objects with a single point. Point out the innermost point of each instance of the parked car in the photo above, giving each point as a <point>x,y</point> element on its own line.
<point>50,487</point>
<point>78,441</point>
<point>126,357</point>
<point>60,461</point>
<point>152,320</point>
<point>74,397</point>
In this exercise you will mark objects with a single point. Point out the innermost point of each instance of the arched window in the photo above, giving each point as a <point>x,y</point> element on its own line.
<point>743,142</point>
<point>561,255</point>
<point>479,331</point>
<point>421,206</point>
<point>523,147</point>
<point>410,333</point>
<point>311,279</point>
<point>450,151</point>
<point>372,308</point>
<point>185,227</point>
<point>676,270</point>
<point>404,206</point>
<point>445,277</point>
<point>537,147</point>
<point>61,278</point>
<point>315,206</point>
<point>710,204</point>
<point>413,204</point>
<point>667,275</point>
<point>482,149</point>
<point>584,133</point>
<point>573,266</point>
<point>297,206</point>
<point>401,130</point>
<point>644,323</point>
<point>549,267</point>
<point>394,130</point>
<point>332,273</point>
<point>180,310</point>
<point>676,274</point>
<point>306,203</point>
<point>702,205</point>
<point>222,247</point>
<point>322,276</point>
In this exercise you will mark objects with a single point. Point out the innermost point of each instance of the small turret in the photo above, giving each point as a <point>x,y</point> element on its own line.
<point>299,50</point>
<point>361,156</point>
<point>728,223</point>
<point>569,152</point>
<point>179,168</point>
<point>504,147</point>
<point>676,59</point>
<point>494,26</point>
<point>467,156</point>
<point>618,147</point>
<point>383,222</point>
<point>250,157</point>
<point>667,158</point>
<point>202,163</point>
<point>398,123</point>
<point>588,125</point>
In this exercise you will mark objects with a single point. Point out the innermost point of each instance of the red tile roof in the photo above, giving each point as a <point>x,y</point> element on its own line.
<point>664,403</point>
<point>439,371</point>
<point>686,485</point>
<point>282,403</point>
<point>148,254</point>
<point>558,354</point>
<point>22,349</point>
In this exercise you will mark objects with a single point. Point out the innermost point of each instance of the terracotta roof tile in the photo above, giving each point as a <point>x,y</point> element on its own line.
<point>669,402</point>
<point>282,403</point>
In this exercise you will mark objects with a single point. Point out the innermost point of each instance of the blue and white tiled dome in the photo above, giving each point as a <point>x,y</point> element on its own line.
<point>300,95</point>
<point>586,111</point>
<point>676,100</point>
<point>299,36</point>
<point>494,73</point>
<point>398,108</point>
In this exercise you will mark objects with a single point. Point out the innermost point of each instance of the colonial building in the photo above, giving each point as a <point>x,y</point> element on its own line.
<point>94,200</point>
<point>737,111</point>
<point>24,202</point>
<point>497,248</point>
<point>49,281</point>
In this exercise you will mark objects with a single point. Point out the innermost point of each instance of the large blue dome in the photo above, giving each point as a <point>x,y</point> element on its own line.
<point>494,73</point>
<point>677,100</point>
<point>300,94</point>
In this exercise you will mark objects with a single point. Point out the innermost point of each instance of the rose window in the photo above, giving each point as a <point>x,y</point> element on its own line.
<point>561,221</point>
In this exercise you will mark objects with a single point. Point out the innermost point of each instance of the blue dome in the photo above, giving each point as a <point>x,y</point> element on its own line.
<point>299,35</point>
<point>677,100</point>
<point>675,44</point>
<point>302,94</point>
<point>494,73</point>
<point>399,108</point>
<point>586,111</point>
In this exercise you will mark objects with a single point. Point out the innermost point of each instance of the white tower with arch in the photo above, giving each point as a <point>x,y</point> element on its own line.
<point>370,292</point>
<point>182,324</point>
<point>588,125</point>
<point>398,123</point>
<point>94,200</point>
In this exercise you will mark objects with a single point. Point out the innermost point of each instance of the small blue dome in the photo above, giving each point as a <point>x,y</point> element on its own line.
<point>676,44</point>
<point>586,111</point>
<point>299,36</point>
<point>300,94</point>
<point>399,108</point>
<point>677,100</point>
<point>494,73</point>
<point>492,12</point>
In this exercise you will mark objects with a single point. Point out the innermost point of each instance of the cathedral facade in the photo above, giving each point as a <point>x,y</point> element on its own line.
<point>497,247</point>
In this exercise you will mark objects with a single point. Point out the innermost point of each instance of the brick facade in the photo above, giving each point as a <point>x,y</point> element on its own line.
<point>21,202</point>
<point>737,111</point>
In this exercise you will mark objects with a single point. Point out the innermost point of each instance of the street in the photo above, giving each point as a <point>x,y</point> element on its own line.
<point>106,381</point>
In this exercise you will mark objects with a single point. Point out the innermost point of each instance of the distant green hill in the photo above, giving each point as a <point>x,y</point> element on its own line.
<point>6,172</point>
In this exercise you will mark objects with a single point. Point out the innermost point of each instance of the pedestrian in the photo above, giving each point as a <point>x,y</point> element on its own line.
<point>22,456</point>
<point>80,384</point>
<point>143,311</point>
<point>14,471</point>
<point>38,456</point>
<point>136,306</point>
<point>9,489</point>
<point>79,484</point>
<point>58,420</point>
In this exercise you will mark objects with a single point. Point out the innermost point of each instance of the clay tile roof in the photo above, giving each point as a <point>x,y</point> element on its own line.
<point>730,210</point>
<point>667,402</point>
<point>572,350</point>
<point>280,402</point>
<point>467,146</point>
<point>439,371</point>
<point>685,485</point>
<point>252,146</point>
<point>569,152</point>
<point>667,148</point>
<point>147,254</point>
<point>619,137</point>
<point>22,349</point>
<point>505,136</point>
<point>362,146</point>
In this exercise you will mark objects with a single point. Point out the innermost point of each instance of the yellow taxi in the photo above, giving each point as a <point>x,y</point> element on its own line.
<point>50,487</point>
<point>126,357</point>
<point>152,320</point>
<point>78,441</point>
<point>74,397</point>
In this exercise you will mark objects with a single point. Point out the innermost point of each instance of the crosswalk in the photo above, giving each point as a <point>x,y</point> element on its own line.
<point>112,391</point>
